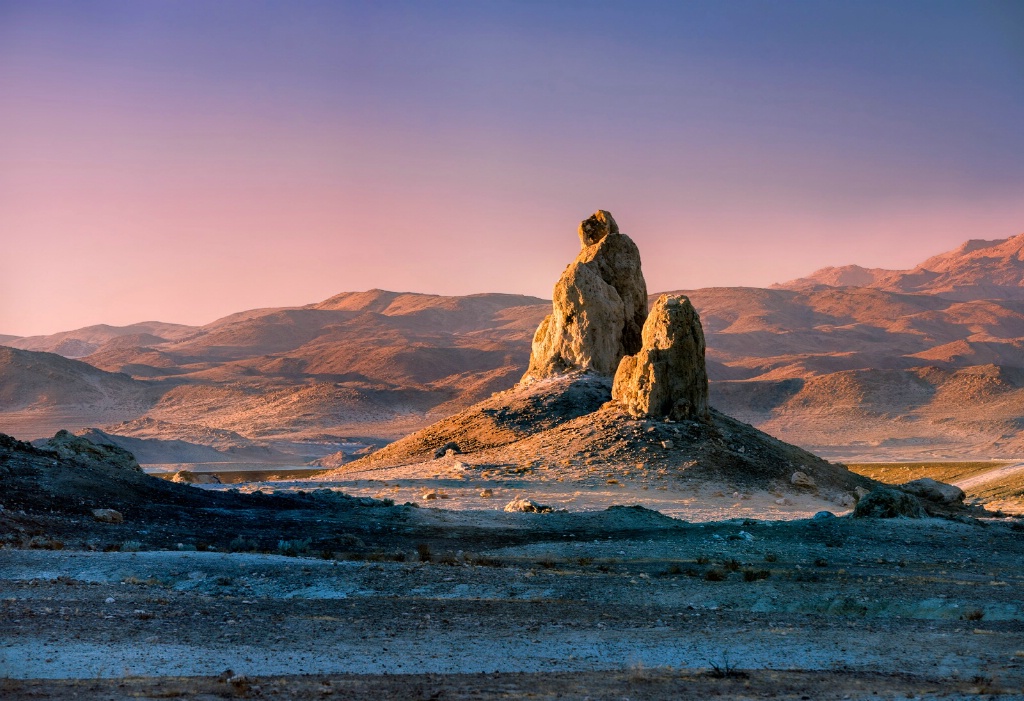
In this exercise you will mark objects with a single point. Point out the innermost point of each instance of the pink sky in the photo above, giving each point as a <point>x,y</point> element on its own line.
<point>144,179</point>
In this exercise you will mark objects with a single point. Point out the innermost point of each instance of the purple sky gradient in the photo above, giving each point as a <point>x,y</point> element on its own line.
<point>184,160</point>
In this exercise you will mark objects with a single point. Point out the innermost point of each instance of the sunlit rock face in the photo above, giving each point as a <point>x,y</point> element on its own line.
<point>667,377</point>
<point>599,306</point>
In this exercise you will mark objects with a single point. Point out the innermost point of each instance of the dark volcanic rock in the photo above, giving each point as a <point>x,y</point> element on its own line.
<point>888,503</point>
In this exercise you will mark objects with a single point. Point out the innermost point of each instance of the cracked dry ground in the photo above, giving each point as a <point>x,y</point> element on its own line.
<point>832,608</point>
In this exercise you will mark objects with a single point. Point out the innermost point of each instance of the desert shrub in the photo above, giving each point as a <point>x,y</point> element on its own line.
<point>702,560</point>
<point>974,615</point>
<point>293,548</point>
<point>715,575</point>
<point>674,568</point>
<point>771,557</point>
<point>755,575</point>
<point>423,550</point>
<point>547,562</point>
<point>732,564</point>
<point>131,546</point>
<point>821,562</point>
<point>585,561</point>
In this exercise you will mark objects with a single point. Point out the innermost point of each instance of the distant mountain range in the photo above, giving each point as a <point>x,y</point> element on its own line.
<point>976,270</point>
<point>849,362</point>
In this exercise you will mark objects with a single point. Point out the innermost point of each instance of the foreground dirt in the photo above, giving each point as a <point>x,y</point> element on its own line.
<point>855,606</point>
<point>652,685</point>
<point>290,590</point>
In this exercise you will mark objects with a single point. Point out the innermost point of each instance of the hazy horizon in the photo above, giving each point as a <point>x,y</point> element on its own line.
<point>180,161</point>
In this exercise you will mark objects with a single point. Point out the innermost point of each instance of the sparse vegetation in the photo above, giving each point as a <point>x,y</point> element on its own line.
<point>293,548</point>
<point>974,615</point>
<point>424,553</point>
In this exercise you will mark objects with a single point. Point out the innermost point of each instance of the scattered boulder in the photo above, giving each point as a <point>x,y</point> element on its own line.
<point>486,493</point>
<point>527,506</point>
<point>72,447</point>
<point>888,503</point>
<point>448,448</point>
<point>667,377</point>
<point>860,492</point>
<point>190,477</point>
<point>108,516</point>
<point>599,306</point>
<point>933,490</point>
<point>802,479</point>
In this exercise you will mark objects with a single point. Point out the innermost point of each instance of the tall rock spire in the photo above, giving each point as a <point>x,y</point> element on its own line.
<point>598,306</point>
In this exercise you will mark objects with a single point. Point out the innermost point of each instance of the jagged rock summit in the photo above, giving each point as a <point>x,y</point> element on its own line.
<point>599,306</point>
<point>667,378</point>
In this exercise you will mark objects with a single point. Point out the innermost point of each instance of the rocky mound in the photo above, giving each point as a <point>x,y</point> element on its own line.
<point>71,474</point>
<point>568,417</point>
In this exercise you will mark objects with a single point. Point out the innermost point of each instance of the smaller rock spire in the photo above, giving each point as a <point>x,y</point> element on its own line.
<point>668,376</point>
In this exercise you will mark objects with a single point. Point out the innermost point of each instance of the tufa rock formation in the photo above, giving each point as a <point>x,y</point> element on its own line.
<point>667,377</point>
<point>598,308</point>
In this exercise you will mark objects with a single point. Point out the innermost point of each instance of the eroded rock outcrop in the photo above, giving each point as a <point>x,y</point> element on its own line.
<point>67,445</point>
<point>598,306</point>
<point>667,377</point>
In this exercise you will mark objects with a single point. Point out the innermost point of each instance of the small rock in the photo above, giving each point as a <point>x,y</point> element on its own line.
<point>823,515</point>
<point>802,479</point>
<point>444,450</point>
<point>527,506</point>
<point>109,600</point>
<point>860,493</point>
<point>936,491</point>
<point>190,477</point>
<point>487,493</point>
<point>888,503</point>
<point>107,516</point>
<point>667,445</point>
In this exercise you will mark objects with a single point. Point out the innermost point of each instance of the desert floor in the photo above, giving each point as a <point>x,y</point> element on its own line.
<point>429,603</point>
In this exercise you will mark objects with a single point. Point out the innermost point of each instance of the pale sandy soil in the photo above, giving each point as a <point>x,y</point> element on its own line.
<point>452,484</point>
